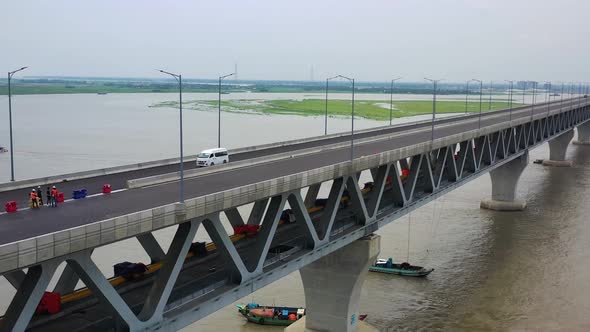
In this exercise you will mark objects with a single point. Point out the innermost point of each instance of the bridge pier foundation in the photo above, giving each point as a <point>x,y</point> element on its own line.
<point>557,150</point>
<point>583,134</point>
<point>504,182</point>
<point>332,287</point>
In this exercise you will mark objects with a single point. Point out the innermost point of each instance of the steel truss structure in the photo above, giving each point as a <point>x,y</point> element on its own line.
<point>185,289</point>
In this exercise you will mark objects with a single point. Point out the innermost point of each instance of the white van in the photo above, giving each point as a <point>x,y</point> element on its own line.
<point>212,157</point>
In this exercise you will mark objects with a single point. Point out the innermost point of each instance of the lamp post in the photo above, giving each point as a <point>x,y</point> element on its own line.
<point>326,117</point>
<point>391,99</point>
<point>561,98</point>
<point>466,94</point>
<point>579,94</point>
<point>10,74</point>
<point>510,98</point>
<point>548,94</point>
<point>434,85</point>
<point>219,109</point>
<point>523,91</point>
<point>533,103</point>
<point>178,78</point>
<point>352,119</point>
<point>480,95</point>
<point>491,89</point>
<point>571,93</point>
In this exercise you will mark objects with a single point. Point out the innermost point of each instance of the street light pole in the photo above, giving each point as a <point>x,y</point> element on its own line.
<point>548,99</point>
<point>480,96</point>
<point>434,84</point>
<point>491,89</point>
<point>466,94</point>
<point>352,124</point>
<point>561,98</point>
<point>391,100</point>
<point>523,91</point>
<point>533,103</point>
<point>219,110</point>
<point>326,117</point>
<point>178,78</point>
<point>579,94</point>
<point>510,98</point>
<point>10,74</point>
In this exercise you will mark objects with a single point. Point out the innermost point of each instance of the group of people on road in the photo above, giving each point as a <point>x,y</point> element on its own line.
<point>36,197</point>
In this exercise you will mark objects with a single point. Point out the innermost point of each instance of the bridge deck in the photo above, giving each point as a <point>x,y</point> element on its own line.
<point>31,223</point>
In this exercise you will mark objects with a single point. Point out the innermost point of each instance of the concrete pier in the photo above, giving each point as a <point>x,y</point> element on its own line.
<point>504,184</point>
<point>583,134</point>
<point>557,150</point>
<point>332,287</point>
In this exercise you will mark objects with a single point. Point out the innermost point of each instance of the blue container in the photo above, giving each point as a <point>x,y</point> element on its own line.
<point>80,193</point>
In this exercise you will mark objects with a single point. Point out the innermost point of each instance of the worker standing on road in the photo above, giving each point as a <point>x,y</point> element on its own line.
<point>33,197</point>
<point>48,193</point>
<point>40,195</point>
<point>54,197</point>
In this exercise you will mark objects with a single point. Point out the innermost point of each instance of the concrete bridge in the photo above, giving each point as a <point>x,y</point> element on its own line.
<point>329,240</point>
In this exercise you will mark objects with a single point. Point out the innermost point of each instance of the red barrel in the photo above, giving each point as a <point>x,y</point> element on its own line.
<point>106,188</point>
<point>60,197</point>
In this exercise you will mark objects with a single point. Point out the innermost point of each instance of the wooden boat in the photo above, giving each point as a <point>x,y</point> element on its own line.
<point>403,269</point>
<point>270,315</point>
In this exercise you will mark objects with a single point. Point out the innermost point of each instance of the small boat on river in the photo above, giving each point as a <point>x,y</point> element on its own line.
<point>3,149</point>
<point>403,269</point>
<point>270,315</point>
<point>273,315</point>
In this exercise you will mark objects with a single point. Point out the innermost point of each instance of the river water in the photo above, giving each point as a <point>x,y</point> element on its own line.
<point>493,271</point>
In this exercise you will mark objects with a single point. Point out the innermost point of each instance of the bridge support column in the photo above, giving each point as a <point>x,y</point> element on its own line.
<point>504,182</point>
<point>557,150</point>
<point>583,134</point>
<point>332,287</point>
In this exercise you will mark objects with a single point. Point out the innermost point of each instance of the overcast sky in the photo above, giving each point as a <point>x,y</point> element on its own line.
<point>280,39</point>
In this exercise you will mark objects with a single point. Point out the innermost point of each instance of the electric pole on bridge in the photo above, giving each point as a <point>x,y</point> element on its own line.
<point>219,109</point>
<point>548,87</point>
<point>510,98</point>
<point>434,87</point>
<point>178,78</point>
<point>466,94</point>
<point>326,117</point>
<point>391,99</point>
<point>10,74</point>
<point>480,96</point>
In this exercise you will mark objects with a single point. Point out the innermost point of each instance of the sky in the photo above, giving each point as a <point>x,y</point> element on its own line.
<point>454,40</point>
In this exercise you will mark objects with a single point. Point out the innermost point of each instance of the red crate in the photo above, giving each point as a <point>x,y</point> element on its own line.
<point>10,207</point>
<point>60,197</point>
<point>50,302</point>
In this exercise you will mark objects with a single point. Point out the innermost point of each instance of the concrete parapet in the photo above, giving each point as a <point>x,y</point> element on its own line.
<point>333,284</point>
<point>504,184</point>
